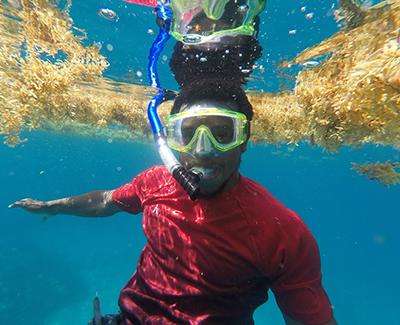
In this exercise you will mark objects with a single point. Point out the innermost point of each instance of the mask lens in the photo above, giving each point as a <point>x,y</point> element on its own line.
<point>188,134</point>
<point>223,134</point>
<point>221,127</point>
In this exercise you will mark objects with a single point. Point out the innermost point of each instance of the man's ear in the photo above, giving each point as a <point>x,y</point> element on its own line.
<point>243,147</point>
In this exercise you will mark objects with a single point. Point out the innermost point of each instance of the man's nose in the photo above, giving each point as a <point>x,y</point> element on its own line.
<point>203,146</point>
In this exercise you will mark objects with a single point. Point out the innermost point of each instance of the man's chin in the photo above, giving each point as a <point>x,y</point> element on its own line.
<point>209,177</point>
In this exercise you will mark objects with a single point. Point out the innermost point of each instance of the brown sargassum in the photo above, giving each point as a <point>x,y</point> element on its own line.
<point>386,173</point>
<point>50,80</point>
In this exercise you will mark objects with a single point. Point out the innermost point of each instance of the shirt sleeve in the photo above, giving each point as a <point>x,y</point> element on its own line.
<point>126,197</point>
<point>132,196</point>
<point>297,288</point>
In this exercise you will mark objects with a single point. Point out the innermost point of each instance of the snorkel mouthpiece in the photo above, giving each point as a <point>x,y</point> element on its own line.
<point>187,179</point>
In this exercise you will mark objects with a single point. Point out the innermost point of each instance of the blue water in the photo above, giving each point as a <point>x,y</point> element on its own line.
<point>50,271</point>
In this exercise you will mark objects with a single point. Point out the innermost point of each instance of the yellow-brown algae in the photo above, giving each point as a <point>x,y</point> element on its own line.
<point>386,173</point>
<point>352,98</point>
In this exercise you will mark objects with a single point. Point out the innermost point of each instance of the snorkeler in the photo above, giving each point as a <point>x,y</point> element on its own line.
<point>213,260</point>
<point>238,40</point>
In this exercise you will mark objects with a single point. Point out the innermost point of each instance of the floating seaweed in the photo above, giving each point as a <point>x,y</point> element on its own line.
<point>34,89</point>
<point>49,80</point>
<point>353,97</point>
<point>386,173</point>
<point>351,12</point>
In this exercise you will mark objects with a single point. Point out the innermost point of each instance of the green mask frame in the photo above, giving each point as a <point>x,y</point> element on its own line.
<point>177,140</point>
<point>207,21</point>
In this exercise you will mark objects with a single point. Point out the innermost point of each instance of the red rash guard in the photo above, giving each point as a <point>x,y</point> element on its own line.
<point>213,260</point>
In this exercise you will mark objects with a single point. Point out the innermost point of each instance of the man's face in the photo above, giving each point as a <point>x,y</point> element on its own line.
<point>216,167</point>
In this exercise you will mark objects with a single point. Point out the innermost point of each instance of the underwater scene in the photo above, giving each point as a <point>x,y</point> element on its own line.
<point>325,141</point>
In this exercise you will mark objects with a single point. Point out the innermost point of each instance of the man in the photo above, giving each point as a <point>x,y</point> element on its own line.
<point>213,260</point>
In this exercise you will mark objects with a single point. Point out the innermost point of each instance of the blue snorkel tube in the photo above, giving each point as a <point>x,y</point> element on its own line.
<point>187,179</point>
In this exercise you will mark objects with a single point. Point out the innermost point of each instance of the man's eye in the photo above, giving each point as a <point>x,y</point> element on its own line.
<point>222,134</point>
<point>188,133</point>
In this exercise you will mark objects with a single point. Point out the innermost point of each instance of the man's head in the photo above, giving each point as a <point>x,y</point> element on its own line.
<point>212,121</point>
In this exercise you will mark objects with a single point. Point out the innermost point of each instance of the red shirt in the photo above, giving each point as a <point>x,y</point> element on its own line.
<point>213,260</point>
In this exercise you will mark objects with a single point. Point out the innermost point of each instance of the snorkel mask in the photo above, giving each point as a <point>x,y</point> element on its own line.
<point>207,21</point>
<point>210,128</point>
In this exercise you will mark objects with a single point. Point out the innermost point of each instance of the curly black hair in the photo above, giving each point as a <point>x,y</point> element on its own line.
<point>233,62</point>
<point>216,89</point>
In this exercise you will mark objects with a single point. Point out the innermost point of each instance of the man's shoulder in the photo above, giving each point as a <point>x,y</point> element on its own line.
<point>153,178</point>
<point>155,171</point>
<point>142,187</point>
<point>259,193</point>
<point>252,186</point>
<point>267,205</point>
<point>275,225</point>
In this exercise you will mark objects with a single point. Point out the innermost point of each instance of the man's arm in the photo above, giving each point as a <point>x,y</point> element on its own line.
<point>92,204</point>
<point>290,321</point>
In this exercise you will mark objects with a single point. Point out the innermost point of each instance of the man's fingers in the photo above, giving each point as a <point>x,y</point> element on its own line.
<point>26,203</point>
<point>19,203</point>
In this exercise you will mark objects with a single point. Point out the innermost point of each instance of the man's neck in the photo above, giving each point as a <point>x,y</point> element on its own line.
<point>231,182</point>
<point>226,186</point>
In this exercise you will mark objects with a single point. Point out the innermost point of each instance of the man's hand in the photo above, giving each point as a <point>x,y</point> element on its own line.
<point>34,206</point>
